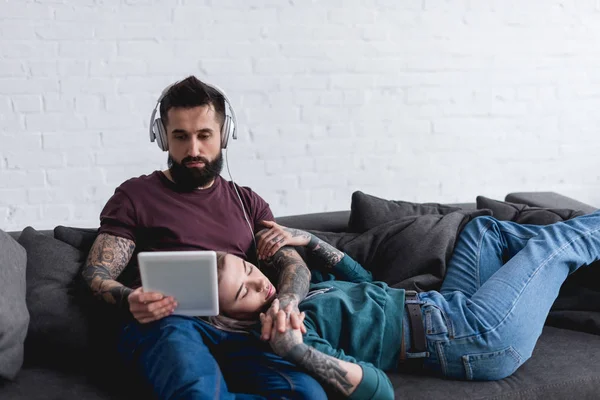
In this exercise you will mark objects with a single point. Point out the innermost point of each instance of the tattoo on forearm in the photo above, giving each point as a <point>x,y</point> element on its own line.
<point>297,233</point>
<point>284,342</point>
<point>294,278</point>
<point>326,251</point>
<point>107,259</point>
<point>323,367</point>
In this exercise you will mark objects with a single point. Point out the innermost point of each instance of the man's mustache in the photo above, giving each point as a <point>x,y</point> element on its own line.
<point>194,159</point>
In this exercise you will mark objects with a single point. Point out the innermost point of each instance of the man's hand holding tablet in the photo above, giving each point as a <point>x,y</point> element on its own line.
<point>150,306</point>
<point>176,282</point>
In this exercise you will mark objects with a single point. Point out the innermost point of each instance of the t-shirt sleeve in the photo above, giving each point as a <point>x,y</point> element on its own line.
<point>260,212</point>
<point>118,218</point>
<point>375,384</point>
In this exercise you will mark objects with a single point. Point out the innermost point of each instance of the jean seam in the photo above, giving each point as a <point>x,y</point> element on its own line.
<point>447,320</point>
<point>517,235</point>
<point>431,303</point>
<point>542,264</point>
<point>467,368</point>
<point>217,389</point>
<point>439,346</point>
<point>509,350</point>
<point>284,376</point>
<point>482,233</point>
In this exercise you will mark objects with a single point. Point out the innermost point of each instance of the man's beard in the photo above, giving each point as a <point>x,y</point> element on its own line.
<point>191,178</point>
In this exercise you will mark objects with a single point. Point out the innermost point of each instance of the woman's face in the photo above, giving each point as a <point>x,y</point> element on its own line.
<point>244,291</point>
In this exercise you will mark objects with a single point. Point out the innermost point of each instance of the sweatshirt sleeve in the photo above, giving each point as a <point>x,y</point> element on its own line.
<point>375,384</point>
<point>350,270</point>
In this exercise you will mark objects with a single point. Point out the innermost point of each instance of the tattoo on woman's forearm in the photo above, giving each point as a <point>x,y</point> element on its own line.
<point>323,367</point>
<point>330,254</point>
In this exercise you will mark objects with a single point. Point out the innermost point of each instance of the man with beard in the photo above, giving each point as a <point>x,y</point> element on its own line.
<point>191,207</point>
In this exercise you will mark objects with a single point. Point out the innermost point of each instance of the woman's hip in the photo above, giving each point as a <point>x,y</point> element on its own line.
<point>462,348</point>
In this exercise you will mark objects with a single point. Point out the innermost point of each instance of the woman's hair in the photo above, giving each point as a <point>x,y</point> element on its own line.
<point>230,324</point>
<point>222,321</point>
<point>220,264</point>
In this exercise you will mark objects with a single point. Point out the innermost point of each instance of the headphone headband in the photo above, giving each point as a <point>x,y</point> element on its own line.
<point>158,130</point>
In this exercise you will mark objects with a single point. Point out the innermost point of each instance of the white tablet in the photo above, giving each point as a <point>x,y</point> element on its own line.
<point>189,276</point>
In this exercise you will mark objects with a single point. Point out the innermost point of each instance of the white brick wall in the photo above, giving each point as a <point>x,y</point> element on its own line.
<point>422,100</point>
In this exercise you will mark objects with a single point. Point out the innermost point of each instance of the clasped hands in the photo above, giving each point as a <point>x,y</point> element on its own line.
<point>282,327</point>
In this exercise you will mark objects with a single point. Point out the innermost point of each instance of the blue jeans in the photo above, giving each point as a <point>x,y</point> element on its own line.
<point>500,284</point>
<point>187,358</point>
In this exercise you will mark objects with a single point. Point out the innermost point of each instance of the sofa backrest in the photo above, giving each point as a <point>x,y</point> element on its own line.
<point>15,234</point>
<point>331,221</point>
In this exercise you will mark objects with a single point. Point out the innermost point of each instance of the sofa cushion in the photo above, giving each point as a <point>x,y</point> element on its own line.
<point>524,214</point>
<point>367,211</point>
<point>14,317</point>
<point>80,238</point>
<point>103,319</point>
<point>43,383</point>
<point>58,321</point>
<point>564,365</point>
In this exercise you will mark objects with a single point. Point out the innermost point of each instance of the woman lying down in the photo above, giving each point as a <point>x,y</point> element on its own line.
<point>483,323</point>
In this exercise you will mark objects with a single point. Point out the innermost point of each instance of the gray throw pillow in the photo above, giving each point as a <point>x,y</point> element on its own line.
<point>14,317</point>
<point>367,211</point>
<point>80,238</point>
<point>103,319</point>
<point>58,330</point>
<point>524,214</point>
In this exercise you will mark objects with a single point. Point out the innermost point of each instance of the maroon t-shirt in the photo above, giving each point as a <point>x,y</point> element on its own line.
<point>152,212</point>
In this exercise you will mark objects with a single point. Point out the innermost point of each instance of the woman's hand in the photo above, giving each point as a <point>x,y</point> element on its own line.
<point>276,236</point>
<point>272,319</point>
<point>282,343</point>
<point>150,306</point>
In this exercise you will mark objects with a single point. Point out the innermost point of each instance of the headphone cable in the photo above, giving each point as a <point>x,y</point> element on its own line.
<point>242,204</point>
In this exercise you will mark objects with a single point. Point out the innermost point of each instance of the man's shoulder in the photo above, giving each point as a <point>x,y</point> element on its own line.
<point>132,185</point>
<point>245,191</point>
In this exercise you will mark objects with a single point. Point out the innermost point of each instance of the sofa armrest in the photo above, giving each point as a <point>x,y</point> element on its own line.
<point>549,200</point>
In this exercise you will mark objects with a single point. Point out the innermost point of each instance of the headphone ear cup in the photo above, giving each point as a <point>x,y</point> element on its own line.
<point>161,135</point>
<point>226,131</point>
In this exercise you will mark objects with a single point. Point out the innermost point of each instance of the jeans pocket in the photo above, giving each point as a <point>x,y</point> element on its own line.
<point>436,322</point>
<point>492,365</point>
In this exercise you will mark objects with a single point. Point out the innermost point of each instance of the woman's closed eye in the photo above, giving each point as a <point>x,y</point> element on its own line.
<point>246,287</point>
<point>248,269</point>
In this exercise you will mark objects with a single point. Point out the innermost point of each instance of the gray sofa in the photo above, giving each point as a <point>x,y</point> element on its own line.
<point>65,357</point>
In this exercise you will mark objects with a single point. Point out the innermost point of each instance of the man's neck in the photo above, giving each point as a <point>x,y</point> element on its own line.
<point>167,173</point>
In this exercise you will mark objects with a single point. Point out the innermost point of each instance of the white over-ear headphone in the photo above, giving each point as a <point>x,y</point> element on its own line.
<point>158,131</point>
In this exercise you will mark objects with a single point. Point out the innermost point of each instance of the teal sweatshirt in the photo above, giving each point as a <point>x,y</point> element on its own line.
<point>357,320</point>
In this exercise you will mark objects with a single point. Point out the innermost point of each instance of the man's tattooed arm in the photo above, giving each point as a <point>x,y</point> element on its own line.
<point>108,257</point>
<point>294,276</point>
<point>327,252</point>
<point>324,250</point>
